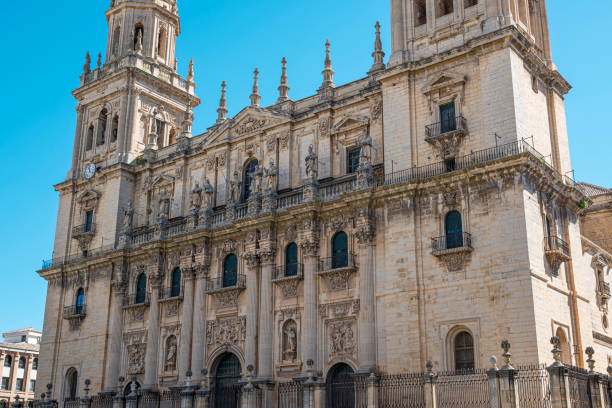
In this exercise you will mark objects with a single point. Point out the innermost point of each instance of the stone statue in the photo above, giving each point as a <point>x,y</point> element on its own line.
<point>312,170</point>
<point>208,194</point>
<point>139,41</point>
<point>128,216</point>
<point>171,354</point>
<point>136,354</point>
<point>164,205</point>
<point>366,148</point>
<point>290,348</point>
<point>271,176</point>
<point>256,177</point>
<point>196,197</point>
<point>235,185</point>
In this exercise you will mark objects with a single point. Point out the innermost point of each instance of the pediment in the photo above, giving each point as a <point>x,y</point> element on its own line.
<point>89,195</point>
<point>444,79</point>
<point>349,123</point>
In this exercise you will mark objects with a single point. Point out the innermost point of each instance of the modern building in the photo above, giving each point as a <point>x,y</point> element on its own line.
<point>423,212</point>
<point>19,363</point>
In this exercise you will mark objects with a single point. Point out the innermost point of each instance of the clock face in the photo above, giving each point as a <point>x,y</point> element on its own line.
<point>90,170</point>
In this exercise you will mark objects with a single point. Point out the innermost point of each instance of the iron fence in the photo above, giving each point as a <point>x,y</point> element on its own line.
<point>463,389</point>
<point>361,391</point>
<point>136,299</point>
<point>74,311</point>
<point>533,384</point>
<point>292,270</point>
<point>401,391</point>
<point>88,228</point>
<point>71,403</point>
<point>446,126</point>
<point>102,401</point>
<point>220,283</point>
<point>451,241</point>
<point>290,394</point>
<point>338,261</point>
<point>580,392</point>
<point>171,292</point>
<point>553,243</point>
<point>170,399</point>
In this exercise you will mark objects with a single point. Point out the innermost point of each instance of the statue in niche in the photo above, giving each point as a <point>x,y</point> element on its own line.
<point>235,185</point>
<point>128,216</point>
<point>208,194</point>
<point>365,144</point>
<point>271,176</point>
<point>171,348</point>
<point>290,341</point>
<point>312,170</point>
<point>196,197</point>
<point>164,205</point>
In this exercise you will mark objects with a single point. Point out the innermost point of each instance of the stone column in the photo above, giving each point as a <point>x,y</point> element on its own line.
<point>184,356</point>
<point>367,294</point>
<point>79,140</point>
<point>397,33</point>
<point>252,290</point>
<point>310,250</point>
<point>111,374</point>
<point>13,377</point>
<point>265,369</point>
<point>198,344</point>
<point>150,378</point>
<point>28,374</point>
<point>373,390</point>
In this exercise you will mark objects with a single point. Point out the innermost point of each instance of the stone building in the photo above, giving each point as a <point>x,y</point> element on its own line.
<point>423,212</point>
<point>19,365</point>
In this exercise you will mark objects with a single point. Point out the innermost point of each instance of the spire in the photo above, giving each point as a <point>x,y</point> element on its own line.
<point>190,73</point>
<point>255,97</point>
<point>378,53</point>
<point>87,65</point>
<point>283,89</point>
<point>222,111</point>
<point>187,119</point>
<point>99,61</point>
<point>328,72</point>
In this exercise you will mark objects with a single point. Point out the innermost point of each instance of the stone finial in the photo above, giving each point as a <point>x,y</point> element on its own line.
<point>556,351</point>
<point>429,366</point>
<point>493,361</point>
<point>86,389</point>
<point>190,73</point>
<point>283,89</point>
<point>328,72</point>
<point>222,111</point>
<point>49,388</point>
<point>255,97</point>
<point>99,61</point>
<point>175,64</point>
<point>590,361</point>
<point>187,119</point>
<point>505,345</point>
<point>378,53</point>
<point>87,65</point>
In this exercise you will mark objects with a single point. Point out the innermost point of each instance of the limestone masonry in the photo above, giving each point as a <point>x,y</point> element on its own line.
<point>423,212</point>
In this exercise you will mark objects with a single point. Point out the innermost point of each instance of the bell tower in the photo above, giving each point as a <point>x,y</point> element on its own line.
<point>121,110</point>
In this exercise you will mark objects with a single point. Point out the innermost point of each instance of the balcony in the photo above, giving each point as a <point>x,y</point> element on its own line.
<point>136,300</point>
<point>454,250</point>
<point>287,278</point>
<point>447,135</point>
<point>557,251</point>
<point>171,293</point>
<point>338,269</point>
<point>74,312</point>
<point>604,290</point>
<point>226,289</point>
<point>83,230</point>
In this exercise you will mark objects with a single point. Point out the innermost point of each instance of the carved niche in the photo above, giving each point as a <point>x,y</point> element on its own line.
<point>290,341</point>
<point>136,347</point>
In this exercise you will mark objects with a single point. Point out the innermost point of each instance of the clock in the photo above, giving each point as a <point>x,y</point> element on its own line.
<point>90,170</point>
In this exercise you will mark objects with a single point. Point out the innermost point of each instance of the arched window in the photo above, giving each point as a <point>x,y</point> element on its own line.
<point>172,137</point>
<point>420,12</point>
<point>160,124</point>
<point>141,288</point>
<point>175,286</point>
<point>102,127</point>
<point>454,230</point>
<point>8,361</point>
<point>340,250</point>
<point>161,42</point>
<point>464,351</point>
<point>291,260</point>
<point>22,362</point>
<point>90,135</point>
<point>249,177</point>
<point>566,357</point>
<point>138,32</point>
<point>230,271</point>
<point>80,300</point>
<point>70,390</point>
<point>116,40</point>
<point>35,364</point>
<point>115,129</point>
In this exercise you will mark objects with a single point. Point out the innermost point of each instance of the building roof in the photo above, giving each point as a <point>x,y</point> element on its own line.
<point>591,190</point>
<point>20,346</point>
<point>28,329</point>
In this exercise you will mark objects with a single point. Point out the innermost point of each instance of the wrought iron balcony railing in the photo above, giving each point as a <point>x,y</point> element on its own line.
<point>343,260</point>
<point>556,244</point>
<point>229,281</point>
<point>295,270</point>
<point>74,311</point>
<point>604,288</point>
<point>136,300</point>
<point>461,240</point>
<point>458,124</point>
<point>173,292</point>
<point>84,229</point>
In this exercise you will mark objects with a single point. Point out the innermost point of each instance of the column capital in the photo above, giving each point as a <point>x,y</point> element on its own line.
<point>310,247</point>
<point>252,259</point>
<point>267,256</point>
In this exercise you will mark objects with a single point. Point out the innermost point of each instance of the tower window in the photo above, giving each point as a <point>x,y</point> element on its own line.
<point>230,271</point>
<point>90,135</point>
<point>115,129</point>
<point>352,160</point>
<point>469,3</point>
<point>444,7</point>
<point>35,364</point>
<point>138,34</point>
<point>162,42</point>
<point>116,39</point>
<point>420,13</point>
<point>102,127</point>
<point>464,351</point>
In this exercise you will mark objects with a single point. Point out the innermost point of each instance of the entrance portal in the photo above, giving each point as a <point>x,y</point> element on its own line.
<point>227,391</point>
<point>341,387</point>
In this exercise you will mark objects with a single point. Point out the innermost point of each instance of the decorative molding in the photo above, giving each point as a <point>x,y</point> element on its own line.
<point>226,331</point>
<point>250,125</point>
<point>342,338</point>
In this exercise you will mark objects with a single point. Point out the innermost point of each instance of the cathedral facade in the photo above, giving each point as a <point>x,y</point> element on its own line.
<point>423,212</point>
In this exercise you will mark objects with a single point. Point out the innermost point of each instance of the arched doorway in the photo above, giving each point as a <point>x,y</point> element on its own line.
<point>566,356</point>
<point>227,392</point>
<point>340,387</point>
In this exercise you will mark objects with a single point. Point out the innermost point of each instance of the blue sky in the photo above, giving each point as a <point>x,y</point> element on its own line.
<point>227,39</point>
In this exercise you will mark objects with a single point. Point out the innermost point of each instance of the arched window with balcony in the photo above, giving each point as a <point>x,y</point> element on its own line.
<point>141,289</point>
<point>291,260</point>
<point>340,250</point>
<point>463,348</point>
<point>230,271</point>
<point>453,230</point>
<point>79,301</point>
<point>248,177</point>
<point>175,284</point>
